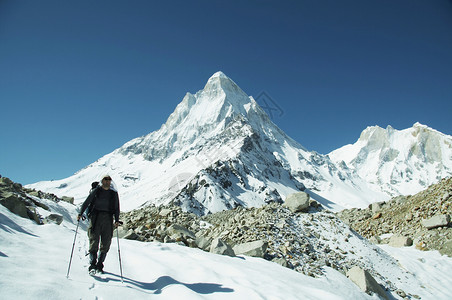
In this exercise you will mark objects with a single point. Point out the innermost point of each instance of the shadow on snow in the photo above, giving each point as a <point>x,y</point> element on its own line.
<point>10,226</point>
<point>158,285</point>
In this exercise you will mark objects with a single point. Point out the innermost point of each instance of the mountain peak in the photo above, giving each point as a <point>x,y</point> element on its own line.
<point>219,74</point>
<point>220,83</point>
<point>401,161</point>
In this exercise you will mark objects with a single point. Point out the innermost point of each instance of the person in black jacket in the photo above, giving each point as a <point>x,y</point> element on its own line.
<point>102,204</point>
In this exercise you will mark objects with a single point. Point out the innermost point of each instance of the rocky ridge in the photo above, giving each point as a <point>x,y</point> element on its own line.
<point>29,203</point>
<point>422,219</point>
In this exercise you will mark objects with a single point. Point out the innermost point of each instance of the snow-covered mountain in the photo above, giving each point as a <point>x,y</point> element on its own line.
<point>399,162</point>
<point>218,150</point>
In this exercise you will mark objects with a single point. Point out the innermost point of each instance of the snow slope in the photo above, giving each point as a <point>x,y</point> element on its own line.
<point>34,261</point>
<point>218,150</point>
<point>399,162</point>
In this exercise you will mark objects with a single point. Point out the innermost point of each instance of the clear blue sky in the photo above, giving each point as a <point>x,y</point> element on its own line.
<point>80,78</point>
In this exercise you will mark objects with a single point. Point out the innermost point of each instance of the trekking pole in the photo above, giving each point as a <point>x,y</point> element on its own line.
<point>119,254</point>
<point>72,252</point>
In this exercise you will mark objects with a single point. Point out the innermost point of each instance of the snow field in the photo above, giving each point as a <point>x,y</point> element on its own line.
<point>34,261</point>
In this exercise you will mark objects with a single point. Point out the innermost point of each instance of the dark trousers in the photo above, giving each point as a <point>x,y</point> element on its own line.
<point>100,229</point>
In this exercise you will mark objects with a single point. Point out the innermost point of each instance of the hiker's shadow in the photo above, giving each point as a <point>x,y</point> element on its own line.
<point>164,281</point>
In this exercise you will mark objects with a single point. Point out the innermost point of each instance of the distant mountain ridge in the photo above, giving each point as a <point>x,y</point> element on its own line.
<point>399,162</point>
<point>219,150</point>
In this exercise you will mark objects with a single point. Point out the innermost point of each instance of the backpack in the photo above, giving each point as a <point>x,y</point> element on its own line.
<point>94,185</point>
<point>90,209</point>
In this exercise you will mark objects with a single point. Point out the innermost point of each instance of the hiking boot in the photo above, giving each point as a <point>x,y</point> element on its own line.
<point>92,261</point>
<point>100,262</point>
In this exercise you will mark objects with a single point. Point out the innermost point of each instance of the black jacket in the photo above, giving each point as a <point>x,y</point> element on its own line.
<point>102,200</point>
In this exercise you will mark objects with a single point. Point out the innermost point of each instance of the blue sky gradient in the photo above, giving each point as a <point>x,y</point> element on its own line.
<point>80,78</point>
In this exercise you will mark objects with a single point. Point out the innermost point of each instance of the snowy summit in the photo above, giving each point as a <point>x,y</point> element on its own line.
<point>219,150</point>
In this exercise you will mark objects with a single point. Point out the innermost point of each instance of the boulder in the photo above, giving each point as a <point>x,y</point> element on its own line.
<point>400,241</point>
<point>297,202</point>
<point>130,235</point>
<point>220,247</point>
<point>15,204</point>
<point>165,212</point>
<point>175,230</point>
<point>126,234</point>
<point>365,281</point>
<point>203,243</point>
<point>255,249</point>
<point>35,194</point>
<point>68,199</point>
<point>34,215</point>
<point>375,240</point>
<point>436,221</point>
<point>446,249</point>
<point>53,218</point>
<point>375,207</point>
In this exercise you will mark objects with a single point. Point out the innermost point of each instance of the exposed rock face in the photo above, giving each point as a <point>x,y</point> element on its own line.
<point>15,204</point>
<point>27,203</point>
<point>423,218</point>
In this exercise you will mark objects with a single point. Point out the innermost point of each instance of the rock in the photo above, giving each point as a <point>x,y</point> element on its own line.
<point>203,243</point>
<point>436,221</point>
<point>421,246</point>
<point>314,204</point>
<point>39,204</point>
<point>15,204</point>
<point>446,249</point>
<point>126,234</point>
<point>68,199</point>
<point>400,241</point>
<point>53,218</point>
<point>375,240</point>
<point>297,202</point>
<point>165,212</point>
<point>35,194</point>
<point>34,215</point>
<point>377,216</point>
<point>401,293</point>
<point>365,281</point>
<point>220,247</point>
<point>255,249</point>
<point>178,229</point>
<point>168,239</point>
<point>375,207</point>
<point>131,235</point>
<point>281,261</point>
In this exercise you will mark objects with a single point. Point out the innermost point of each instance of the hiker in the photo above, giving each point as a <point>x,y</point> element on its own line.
<point>102,204</point>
